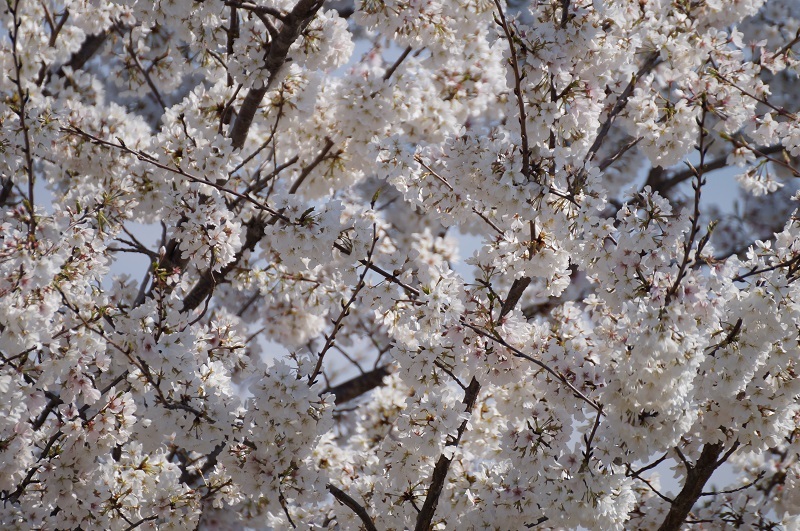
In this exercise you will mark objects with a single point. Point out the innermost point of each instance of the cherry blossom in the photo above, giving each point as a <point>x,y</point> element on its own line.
<point>395,264</point>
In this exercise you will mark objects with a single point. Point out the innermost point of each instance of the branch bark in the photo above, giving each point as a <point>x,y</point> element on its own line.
<point>346,499</point>
<point>361,384</point>
<point>425,516</point>
<point>514,63</point>
<point>649,64</point>
<point>293,25</point>
<point>662,185</point>
<point>696,477</point>
<point>209,279</point>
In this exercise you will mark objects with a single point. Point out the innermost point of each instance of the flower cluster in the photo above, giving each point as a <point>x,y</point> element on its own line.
<point>399,264</point>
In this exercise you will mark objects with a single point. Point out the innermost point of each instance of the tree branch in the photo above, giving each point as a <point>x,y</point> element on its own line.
<point>518,353</point>
<point>523,129</point>
<point>702,148</point>
<point>345,498</point>
<point>361,384</point>
<point>293,25</point>
<point>425,516</point>
<point>650,62</point>
<point>696,477</point>
<point>661,186</point>
<point>339,321</point>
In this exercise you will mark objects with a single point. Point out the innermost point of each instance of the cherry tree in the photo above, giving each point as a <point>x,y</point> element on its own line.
<point>296,349</point>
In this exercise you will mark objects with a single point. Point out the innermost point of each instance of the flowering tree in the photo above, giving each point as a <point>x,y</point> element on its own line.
<point>617,328</point>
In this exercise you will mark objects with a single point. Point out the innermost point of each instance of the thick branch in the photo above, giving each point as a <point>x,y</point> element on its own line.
<point>696,477</point>
<point>425,516</point>
<point>87,50</point>
<point>293,25</point>
<point>361,384</point>
<point>514,295</point>
<point>661,186</point>
<point>346,499</point>
<point>209,279</point>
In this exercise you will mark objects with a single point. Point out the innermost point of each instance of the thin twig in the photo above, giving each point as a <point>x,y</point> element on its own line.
<point>621,151</point>
<point>337,323</point>
<point>702,148</point>
<point>561,378</point>
<point>791,264</point>
<point>450,187</point>
<point>746,486</point>
<point>255,8</point>
<point>523,117</point>
<point>650,62</point>
<point>145,73</point>
<point>313,164</point>
<point>780,110</point>
<point>718,163</point>
<point>145,157</point>
<point>22,113</point>
<point>397,63</point>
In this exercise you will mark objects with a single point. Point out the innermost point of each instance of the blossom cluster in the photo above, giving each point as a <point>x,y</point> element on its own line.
<point>294,341</point>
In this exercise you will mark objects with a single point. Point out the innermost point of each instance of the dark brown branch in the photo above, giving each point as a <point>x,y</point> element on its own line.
<point>339,321</point>
<point>616,156</point>
<point>397,63</point>
<point>661,186</point>
<point>5,189</point>
<point>314,163</point>
<point>134,525</point>
<point>19,108</point>
<point>360,385</point>
<point>264,10</point>
<point>788,46</point>
<point>262,182</point>
<point>425,516</point>
<point>746,486</point>
<point>255,231</point>
<point>637,474</point>
<point>780,110</point>
<point>695,218</point>
<point>523,129</point>
<point>564,13</point>
<point>207,281</point>
<point>650,62</point>
<point>792,265</point>
<point>293,25</point>
<point>382,272</point>
<point>450,187</point>
<point>232,33</point>
<point>697,475</point>
<point>652,465</point>
<point>146,157</point>
<point>269,140</point>
<point>514,295</point>
<point>87,50</point>
<point>345,498</point>
<point>145,72</point>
